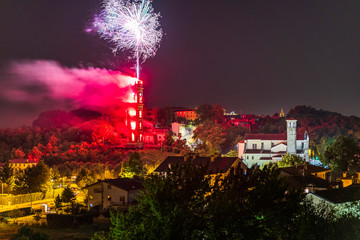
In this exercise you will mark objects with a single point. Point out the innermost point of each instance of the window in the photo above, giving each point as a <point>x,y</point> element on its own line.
<point>262,145</point>
<point>109,198</point>
<point>272,144</point>
<point>90,197</point>
<point>247,157</point>
<point>109,186</point>
<point>252,157</point>
<point>122,199</point>
<point>254,146</point>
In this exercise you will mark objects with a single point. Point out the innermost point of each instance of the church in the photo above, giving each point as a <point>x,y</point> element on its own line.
<point>261,149</point>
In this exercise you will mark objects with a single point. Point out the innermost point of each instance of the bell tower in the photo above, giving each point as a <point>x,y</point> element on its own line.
<point>291,136</point>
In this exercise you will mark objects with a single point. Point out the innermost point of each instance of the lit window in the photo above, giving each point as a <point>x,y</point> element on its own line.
<point>132,112</point>
<point>140,114</point>
<point>109,198</point>
<point>133,125</point>
<point>90,197</point>
<point>133,137</point>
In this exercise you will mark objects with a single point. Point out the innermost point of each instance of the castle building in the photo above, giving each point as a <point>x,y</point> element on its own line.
<point>261,149</point>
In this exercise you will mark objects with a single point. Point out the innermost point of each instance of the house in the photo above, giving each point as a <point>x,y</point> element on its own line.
<point>309,169</point>
<point>20,164</point>
<point>311,178</point>
<point>344,200</point>
<point>351,177</point>
<point>261,149</point>
<point>216,164</point>
<point>110,193</point>
<point>188,114</point>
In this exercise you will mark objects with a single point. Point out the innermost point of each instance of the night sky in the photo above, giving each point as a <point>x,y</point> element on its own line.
<point>249,56</point>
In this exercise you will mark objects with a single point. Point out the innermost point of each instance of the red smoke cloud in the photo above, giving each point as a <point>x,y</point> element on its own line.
<point>30,87</point>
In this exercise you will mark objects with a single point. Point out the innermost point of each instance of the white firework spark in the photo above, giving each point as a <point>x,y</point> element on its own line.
<point>131,25</point>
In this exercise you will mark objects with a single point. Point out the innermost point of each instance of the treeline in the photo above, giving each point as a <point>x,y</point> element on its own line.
<point>256,204</point>
<point>324,126</point>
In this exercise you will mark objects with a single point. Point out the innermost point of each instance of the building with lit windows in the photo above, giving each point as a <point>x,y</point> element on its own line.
<point>261,149</point>
<point>110,193</point>
<point>188,114</point>
<point>20,164</point>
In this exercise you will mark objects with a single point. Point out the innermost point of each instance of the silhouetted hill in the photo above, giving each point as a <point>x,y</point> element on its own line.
<point>324,126</point>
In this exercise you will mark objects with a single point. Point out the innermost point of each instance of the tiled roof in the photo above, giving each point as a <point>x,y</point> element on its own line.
<point>21,160</point>
<point>295,170</point>
<point>307,181</point>
<point>125,183</point>
<point>284,142</point>
<point>341,195</point>
<point>219,164</point>
<point>266,136</point>
<point>252,151</point>
<point>275,137</point>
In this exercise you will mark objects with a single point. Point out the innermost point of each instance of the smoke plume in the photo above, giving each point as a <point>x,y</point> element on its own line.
<point>28,88</point>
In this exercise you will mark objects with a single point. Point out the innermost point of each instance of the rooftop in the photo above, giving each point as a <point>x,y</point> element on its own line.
<point>219,164</point>
<point>21,160</point>
<point>126,184</point>
<point>341,195</point>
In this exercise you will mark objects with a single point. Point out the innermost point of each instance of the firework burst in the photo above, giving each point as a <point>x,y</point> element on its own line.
<point>131,25</point>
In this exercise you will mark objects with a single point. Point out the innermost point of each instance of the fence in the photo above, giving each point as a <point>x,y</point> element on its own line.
<point>31,197</point>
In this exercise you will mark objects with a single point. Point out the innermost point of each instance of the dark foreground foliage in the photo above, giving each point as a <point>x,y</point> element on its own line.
<point>253,205</point>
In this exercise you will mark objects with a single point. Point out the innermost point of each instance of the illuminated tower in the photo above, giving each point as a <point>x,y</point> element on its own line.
<point>135,114</point>
<point>291,136</point>
<point>282,113</point>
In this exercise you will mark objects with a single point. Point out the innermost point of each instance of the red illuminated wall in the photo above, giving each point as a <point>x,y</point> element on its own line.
<point>134,115</point>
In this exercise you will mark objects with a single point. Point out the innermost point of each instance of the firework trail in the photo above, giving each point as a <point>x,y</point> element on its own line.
<point>131,25</point>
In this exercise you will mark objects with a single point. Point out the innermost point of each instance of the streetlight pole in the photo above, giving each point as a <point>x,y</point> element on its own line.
<point>2,195</point>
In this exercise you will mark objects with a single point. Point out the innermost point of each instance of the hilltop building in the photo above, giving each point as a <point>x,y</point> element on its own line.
<point>266,148</point>
<point>188,114</point>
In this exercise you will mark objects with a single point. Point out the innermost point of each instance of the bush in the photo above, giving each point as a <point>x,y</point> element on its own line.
<point>27,232</point>
<point>63,221</point>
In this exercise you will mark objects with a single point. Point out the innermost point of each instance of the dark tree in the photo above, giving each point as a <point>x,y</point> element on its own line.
<point>170,207</point>
<point>165,116</point>
<point>341,153</point>
<point>67,195</point>
<point>133,166</point>
<point>205,113</point>
<point>7,175</point>
<point>34,179</point>
<point>169,139</point>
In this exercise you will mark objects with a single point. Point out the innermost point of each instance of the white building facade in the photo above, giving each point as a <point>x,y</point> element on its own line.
<point>262,149</point>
